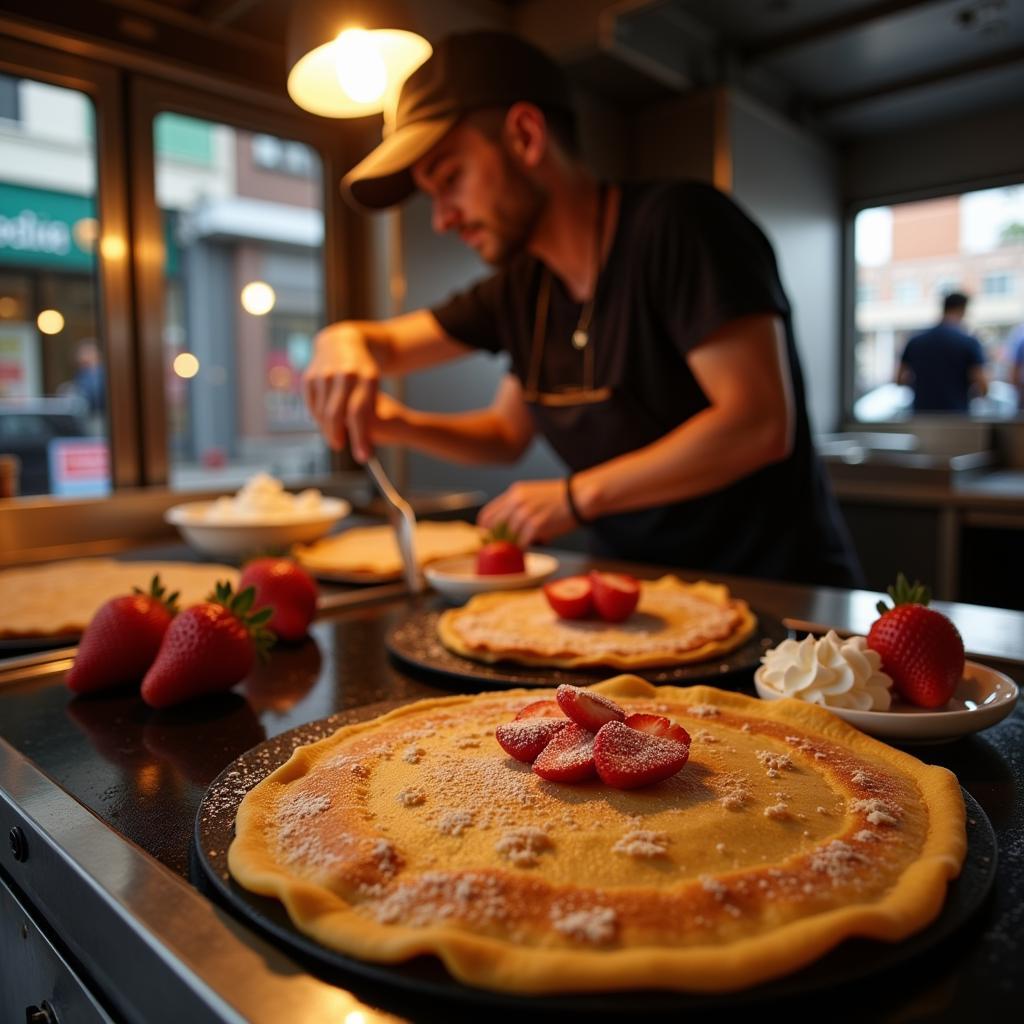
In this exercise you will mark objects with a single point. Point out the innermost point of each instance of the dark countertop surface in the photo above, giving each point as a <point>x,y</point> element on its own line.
<point>144,773</point>
<point>996,489</point>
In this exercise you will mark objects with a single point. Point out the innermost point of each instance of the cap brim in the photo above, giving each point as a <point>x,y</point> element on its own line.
<point>384,178</point>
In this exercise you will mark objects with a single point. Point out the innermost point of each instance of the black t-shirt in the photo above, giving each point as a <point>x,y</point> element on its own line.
<point>685,260</point>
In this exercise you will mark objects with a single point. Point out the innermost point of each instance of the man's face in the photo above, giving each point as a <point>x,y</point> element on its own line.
<point>479,191</point>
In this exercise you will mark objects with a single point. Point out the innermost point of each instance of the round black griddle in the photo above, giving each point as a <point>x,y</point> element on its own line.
<point>415,643</point>
<point>425,978</point>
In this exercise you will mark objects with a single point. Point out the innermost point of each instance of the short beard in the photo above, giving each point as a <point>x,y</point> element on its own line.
<point>516,217</point>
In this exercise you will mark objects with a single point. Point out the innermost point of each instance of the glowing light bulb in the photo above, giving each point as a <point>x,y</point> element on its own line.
<point>50,321</point>
<point>85,232</point>
<point>360,68</point>
<point>258,298</point>
<point>186,365</point>
<point>113,247</point>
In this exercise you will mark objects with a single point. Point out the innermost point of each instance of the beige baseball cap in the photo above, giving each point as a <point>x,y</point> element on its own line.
<point>467,71</point>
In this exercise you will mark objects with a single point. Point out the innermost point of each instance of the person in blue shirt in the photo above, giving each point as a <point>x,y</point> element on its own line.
<point>944,365</point>
<point>1015,358</point>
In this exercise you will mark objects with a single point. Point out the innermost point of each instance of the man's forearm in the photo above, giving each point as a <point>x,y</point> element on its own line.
<point>404,344</point>
<point>469,437</point>
<point>710,451</point>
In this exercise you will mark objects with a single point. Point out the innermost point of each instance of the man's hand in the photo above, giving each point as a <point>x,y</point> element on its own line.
<point>534,510</point>
<point>392,422</point>
<point>340,386</point>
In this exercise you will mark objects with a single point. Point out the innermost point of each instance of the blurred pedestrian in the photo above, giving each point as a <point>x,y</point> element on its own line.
<point>945,365</point>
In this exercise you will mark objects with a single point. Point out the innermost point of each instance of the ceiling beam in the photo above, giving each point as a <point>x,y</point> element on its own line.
<point>943,75</point>
<point>774,45</point>
<point>224,12</point>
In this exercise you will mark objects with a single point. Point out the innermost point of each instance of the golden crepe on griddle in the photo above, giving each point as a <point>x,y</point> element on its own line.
<point>675,623</point>
<point>787,832</point>
<point>370,553</point>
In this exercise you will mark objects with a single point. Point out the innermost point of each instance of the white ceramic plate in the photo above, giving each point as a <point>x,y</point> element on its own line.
<point>245,536</point>
<point>458,579</point>
<point>983,698</point>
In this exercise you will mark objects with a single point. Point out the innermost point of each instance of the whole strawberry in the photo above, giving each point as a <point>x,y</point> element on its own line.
<point>501,554</point>
<point>288,589</point>
<point>919,647</point>
<point>208,648</point>
<point>122,639</point>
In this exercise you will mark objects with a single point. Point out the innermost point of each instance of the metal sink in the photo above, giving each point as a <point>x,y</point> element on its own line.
<point>884,457</point>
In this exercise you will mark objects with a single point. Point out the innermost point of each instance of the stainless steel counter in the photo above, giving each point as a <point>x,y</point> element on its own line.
<point>105,793</point>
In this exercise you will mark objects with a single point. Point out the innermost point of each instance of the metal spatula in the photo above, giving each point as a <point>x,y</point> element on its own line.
<point>403,521</point>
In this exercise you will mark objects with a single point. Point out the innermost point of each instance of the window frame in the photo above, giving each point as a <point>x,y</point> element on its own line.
<point>103,86</point>
<point>150,97</point>
<point>124,84</point>
<point>849,288</point>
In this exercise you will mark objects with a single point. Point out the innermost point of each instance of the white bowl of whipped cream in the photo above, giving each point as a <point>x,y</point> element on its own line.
<point>262,518</point>
<point>844,675</point>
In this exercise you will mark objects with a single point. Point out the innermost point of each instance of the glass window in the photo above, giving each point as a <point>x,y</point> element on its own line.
<point>10,108</point>
<point>997,284</point>
<point>910,256</point>
<point>906,292</point>
<point>52,378</point>
<point>243,230</point>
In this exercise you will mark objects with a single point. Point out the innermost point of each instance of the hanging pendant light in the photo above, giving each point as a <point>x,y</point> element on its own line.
<point>348,58</point>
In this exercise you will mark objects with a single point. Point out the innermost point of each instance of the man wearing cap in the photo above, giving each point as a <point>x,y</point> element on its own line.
<point>650,339</point>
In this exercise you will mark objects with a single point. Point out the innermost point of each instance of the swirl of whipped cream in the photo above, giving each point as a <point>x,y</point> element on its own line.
<point>263,498</point>
<point>831,671</point>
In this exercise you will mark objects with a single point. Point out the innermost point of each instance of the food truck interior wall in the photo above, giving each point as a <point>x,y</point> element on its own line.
<point>801,185</point>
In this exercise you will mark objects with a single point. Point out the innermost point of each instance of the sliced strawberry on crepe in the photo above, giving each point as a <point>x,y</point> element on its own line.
<point>541,709</point>
<point>616,595</point>
<point>626,758</point>
<point>122,639</point>
<point>586,708</point>
<point>657,725</point>
<point>208,648</point>
<point>568,757</point>
<point>571,598</point>
<point>525,738</point>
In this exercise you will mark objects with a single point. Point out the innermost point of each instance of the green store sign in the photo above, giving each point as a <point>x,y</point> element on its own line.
<point>40,228</point>
<point>58,231</point>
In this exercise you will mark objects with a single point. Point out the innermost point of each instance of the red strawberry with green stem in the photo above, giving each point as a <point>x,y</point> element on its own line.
<point>919,647</point>
<point>208,648</point>
<point>501,554</point>
<point>122,639</point>
<point>288,589</point>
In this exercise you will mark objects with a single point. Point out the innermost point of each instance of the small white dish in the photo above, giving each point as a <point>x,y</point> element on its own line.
<point>248,535</point>
<point>983,698</point>
<point>457,579</point>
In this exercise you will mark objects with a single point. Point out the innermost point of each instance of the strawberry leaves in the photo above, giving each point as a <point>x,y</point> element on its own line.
<point>904,592</point>
<point>239,605</point>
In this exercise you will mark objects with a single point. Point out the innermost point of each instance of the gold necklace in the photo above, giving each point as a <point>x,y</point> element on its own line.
<point>581,336</point>
<point>588,394</point>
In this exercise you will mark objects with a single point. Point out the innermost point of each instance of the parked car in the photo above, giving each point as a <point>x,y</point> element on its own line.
<point>896,402</point>
<point>27,426</point>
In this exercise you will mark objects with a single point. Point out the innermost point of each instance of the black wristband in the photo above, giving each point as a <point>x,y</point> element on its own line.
<point>576,514</point>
